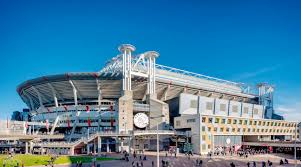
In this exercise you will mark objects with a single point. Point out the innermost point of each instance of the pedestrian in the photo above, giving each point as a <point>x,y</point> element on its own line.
<point>140,157</point>
<point>263,164</point>
<point>197,161</point>
<point>285,161</point>
<point>133,163</point>
<point>153,164</point>
<point>232,164</point>
<point>254,164</point>
<point>200,162</point>
<point>248,164</point>
<point>141,164</point>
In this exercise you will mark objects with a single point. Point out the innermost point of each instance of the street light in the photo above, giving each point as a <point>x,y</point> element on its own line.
<point>160,116</point>
<point>295,144</point>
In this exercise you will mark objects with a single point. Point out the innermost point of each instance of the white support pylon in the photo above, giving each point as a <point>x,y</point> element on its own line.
<point>126,50</point>
<point>151,70</point>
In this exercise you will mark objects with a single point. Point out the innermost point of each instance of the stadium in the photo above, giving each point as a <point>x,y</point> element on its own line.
<point>133,100</point>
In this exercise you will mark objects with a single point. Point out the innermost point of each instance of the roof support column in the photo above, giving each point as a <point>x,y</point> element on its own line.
<point>74,93</point>
<point>151,70</point>
<point>126,50</point>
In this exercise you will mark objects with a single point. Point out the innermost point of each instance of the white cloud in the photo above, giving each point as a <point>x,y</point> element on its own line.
<point>256,73</point>
<point>290,111</point>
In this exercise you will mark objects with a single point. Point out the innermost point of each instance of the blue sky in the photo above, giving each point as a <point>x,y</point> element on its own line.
<point>243,41</point>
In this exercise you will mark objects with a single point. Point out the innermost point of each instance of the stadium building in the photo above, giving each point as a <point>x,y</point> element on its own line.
<point>131,100</point>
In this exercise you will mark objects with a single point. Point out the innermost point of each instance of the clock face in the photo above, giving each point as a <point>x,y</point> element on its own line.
<point>141,120</point>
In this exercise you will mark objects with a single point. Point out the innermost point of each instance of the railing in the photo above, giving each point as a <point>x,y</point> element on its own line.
<point>147,132</point>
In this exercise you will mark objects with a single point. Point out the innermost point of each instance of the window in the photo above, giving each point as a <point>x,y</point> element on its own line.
<point>235,108</point>
<point>210,120</point>
<point>203,119</point>
<point>223,107</point>
<point>203,137</point>
<point>217,120</point>
<point>246,110</point>
<point>190,120</point>
<point>227,129</point>
<point>193,104</point>
<point>209,129</point>
<point>209,106</point>
<point>222,129</point>
<point>240,122</point>
<point>246,122</point>
<point>251,122</point>
<point>178,123</point>
<point>215,129</point>
<point>255,111</point>
<point>238,129</point>
<point>255,122</point>
<point>203,128</point>
<point>229,121</point>
<point>223,121</point>
<point>233,130</point>
<point>235,121</point>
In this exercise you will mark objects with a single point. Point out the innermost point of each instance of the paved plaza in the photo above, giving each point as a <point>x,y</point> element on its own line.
<point>184,161</point>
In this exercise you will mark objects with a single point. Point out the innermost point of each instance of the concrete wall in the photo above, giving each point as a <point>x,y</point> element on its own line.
<point>221,107</point>
<point>158,108</point>
<point>235,109</point>
<point>203,108</point>
<point>188,104</point>
<point>125,114</point>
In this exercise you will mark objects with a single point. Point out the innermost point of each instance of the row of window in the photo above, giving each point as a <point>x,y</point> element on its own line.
<point>246,122</point>
<point>239,130</point>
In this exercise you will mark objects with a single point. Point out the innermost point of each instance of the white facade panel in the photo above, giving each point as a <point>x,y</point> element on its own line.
<point>235,109</point>
<point>247,110</point>
<point>206,105</point>
<point>188,104</point>
<point>221,107</point>
<point>258,111</point>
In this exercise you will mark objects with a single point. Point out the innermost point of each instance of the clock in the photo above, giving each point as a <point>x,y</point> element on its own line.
<point>141,120</point>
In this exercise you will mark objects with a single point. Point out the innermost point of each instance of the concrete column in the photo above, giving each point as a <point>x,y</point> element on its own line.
<point>125,112</point>
<point>99,145</point>
<point>31,147</point>
<point>26,147</point>
<point>88,148</point>
<point>71,151</point>
<point>108,147</point>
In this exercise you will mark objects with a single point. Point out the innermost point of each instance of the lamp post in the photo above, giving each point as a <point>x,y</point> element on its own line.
<point>295,144</point>
<point>158,156</point>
